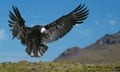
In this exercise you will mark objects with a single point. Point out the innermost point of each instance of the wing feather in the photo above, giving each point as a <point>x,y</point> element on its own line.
<point>17,24</point>
<point>64,24</point>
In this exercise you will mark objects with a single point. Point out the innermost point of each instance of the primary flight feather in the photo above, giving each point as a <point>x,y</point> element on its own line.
<point>35,37</point>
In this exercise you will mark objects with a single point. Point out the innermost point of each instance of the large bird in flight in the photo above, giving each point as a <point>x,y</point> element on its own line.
<point>37,36</point>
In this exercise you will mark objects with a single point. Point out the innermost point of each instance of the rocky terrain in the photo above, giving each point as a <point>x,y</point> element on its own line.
<point>104,50</point>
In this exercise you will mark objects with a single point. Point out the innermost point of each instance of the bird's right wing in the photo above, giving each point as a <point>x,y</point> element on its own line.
<point>60,27</point>
<point>17,24</point>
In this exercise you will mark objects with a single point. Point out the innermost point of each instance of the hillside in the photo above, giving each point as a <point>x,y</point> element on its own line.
<point>104,50</point>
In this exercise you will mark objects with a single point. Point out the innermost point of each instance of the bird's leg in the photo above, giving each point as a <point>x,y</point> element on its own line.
<point>43,47</point>
<point>35,50</point>
<point>39,51</point>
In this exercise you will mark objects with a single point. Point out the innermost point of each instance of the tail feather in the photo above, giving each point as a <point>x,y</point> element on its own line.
<point>36,51</point>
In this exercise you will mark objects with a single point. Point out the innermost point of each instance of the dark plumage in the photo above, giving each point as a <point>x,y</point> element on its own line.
<point>35,37</point>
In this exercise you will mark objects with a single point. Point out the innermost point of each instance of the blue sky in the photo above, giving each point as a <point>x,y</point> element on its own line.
<point>104,18</point>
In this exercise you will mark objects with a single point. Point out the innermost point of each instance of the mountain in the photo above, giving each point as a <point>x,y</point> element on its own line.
<point>104,50</point>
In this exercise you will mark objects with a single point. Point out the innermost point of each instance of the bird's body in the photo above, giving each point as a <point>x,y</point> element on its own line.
<point>34,40</point>
<point>37,36</point>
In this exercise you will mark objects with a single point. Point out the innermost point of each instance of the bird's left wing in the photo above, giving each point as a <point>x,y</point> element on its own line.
<point>63,25</point>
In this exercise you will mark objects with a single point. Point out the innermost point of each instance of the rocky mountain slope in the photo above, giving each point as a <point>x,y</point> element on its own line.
<point>104,50</point>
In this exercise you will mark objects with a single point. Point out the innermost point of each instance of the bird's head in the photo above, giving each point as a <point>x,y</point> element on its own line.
<point>42,30</point>
<point>37,28</point>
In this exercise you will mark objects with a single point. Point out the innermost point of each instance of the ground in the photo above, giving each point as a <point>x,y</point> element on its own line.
<point>24,66</point>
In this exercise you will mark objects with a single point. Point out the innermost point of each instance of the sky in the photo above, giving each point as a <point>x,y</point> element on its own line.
<point>103,18</point>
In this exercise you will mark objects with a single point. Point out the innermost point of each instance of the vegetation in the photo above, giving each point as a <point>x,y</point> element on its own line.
<point>24,66</point>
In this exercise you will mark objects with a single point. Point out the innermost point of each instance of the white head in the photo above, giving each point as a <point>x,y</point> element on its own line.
<point>43,29</point>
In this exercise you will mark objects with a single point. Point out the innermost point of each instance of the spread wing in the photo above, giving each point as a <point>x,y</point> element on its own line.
<point>63,25</point>
<point>17,24</point>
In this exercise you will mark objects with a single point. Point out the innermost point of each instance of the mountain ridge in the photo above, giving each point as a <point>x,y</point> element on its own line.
<point>104,50</point>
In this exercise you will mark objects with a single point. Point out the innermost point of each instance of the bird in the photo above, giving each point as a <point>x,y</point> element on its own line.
<point>36,37</point>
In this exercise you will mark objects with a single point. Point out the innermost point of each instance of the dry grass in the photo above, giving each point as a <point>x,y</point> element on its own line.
<point>24,66</point>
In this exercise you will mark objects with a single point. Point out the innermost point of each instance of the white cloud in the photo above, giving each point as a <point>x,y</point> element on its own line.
<point>2,34</point>
<point>112,22</point>
<point>111,19</point>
